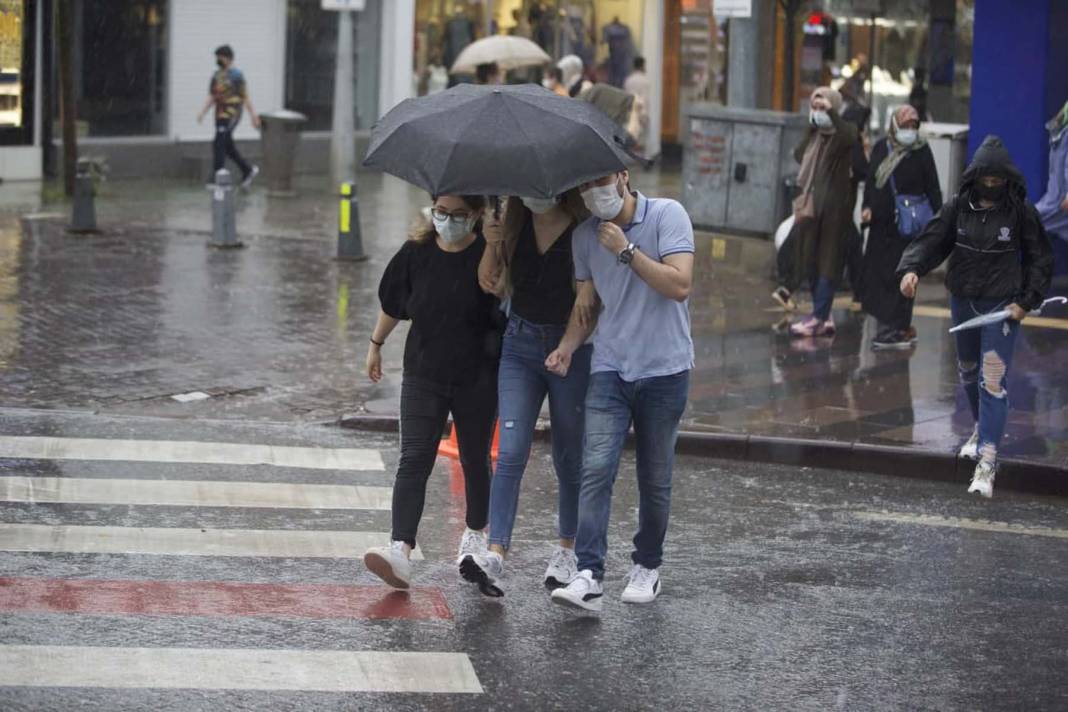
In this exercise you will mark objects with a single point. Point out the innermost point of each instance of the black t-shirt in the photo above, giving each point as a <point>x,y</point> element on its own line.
<point>543,286</point>
<point>450,340</point>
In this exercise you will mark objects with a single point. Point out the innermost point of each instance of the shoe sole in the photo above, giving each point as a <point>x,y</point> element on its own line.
<point>380,567</point>
<point>473,573</point>
<point>578,606</point>
<point>552,583</point>
<point>984,495</point>
<point>973,456</point>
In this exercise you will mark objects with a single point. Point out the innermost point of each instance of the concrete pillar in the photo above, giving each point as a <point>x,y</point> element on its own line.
<point>398,53</point>
<point>653,51</point>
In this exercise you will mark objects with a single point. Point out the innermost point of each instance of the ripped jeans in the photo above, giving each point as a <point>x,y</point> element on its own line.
<point>523,385</point>
<point>984,356</point>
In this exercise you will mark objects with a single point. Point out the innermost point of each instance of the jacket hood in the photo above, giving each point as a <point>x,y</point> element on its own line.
<point>993,158</point>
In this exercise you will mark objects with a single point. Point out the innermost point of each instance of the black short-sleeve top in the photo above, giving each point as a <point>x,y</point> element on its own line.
<point>452,318</point>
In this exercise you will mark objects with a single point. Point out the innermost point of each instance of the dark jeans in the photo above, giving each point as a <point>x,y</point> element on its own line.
<point>224,147</point>
<point>655,406</point>
<point>523,384</point>
<point>823,298</point>
<point>424,410</point>
<point>984,356</point>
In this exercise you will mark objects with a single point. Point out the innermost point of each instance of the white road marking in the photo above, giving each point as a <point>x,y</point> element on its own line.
<point>190,542</point>
<point>229,669</point>
<point>960,523</point>
<point>71,490</point>
<point>190,397</point>
<point>211,453</point>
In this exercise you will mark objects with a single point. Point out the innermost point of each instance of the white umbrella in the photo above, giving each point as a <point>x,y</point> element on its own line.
<point>506,51</point>
<point>1002,315</point>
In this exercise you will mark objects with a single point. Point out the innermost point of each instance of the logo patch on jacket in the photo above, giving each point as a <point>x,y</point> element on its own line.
<point>1005,235</point>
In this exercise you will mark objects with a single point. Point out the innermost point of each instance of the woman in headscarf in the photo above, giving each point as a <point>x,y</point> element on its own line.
<point>1053,207</point>
<point>902,166</point>
<point>574,79</point>
<point>822,212</point>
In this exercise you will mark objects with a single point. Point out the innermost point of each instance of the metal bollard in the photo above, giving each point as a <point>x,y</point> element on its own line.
<point>223,222</point>
<point>83,217</point>
<point>349,241</point>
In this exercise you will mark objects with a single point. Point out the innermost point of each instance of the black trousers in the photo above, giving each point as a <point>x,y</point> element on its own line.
<point>424,410</point>
<point>224,148</point>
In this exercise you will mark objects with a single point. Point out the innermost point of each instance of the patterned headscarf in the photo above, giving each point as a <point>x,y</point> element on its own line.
<point>898,151</point>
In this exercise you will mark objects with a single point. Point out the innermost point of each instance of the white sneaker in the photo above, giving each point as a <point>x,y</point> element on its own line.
<point>583,592</point>
<point>983,479</point>
<point>563,566</point>
<point>643,585</point>
<point>970,449</point>
<point>390,563</point>
<point>484,570</point>
<point>472,542</point>
<point>253,172</point>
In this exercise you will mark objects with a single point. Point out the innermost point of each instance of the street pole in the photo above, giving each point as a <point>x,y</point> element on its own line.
<point>343,139</point>
<point>65,37</point>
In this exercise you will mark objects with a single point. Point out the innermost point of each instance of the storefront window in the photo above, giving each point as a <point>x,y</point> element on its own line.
<point>311,58</point>
<point>605,34</point>
<point>16,71</point>
<point>120,68</point>
<point>904,55</point>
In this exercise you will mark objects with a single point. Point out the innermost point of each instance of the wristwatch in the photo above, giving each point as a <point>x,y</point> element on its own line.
<point>627,254</point>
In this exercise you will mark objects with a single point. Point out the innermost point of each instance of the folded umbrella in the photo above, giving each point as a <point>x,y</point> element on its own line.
<point>506,51</point>
<point>496,140</point>
<point>1002,315</point>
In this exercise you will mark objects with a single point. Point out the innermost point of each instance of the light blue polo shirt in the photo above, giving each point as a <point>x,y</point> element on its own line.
<point>640,333</point>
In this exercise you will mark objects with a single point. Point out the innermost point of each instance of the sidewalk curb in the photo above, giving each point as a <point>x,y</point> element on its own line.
<point>1015,475</point>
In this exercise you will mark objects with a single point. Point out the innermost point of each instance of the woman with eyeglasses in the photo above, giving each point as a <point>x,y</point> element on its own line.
<point>450,366</point>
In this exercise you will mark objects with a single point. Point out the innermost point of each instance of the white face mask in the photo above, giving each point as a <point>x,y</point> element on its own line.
<point>820,119</point>
<point>539,205</point>
<point>604,201</point>
<point>906,137</point>
<point>452,230</point>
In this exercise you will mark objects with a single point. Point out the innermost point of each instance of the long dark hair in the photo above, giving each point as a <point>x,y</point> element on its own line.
<point>422,229</point>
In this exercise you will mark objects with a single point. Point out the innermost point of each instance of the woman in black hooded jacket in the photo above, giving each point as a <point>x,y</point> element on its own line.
<point>999,258</point>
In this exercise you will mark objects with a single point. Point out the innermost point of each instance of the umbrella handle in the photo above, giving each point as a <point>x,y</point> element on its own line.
<point>1051,300</point>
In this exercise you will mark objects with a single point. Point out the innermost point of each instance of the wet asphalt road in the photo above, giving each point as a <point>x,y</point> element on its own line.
<point>784,588</point>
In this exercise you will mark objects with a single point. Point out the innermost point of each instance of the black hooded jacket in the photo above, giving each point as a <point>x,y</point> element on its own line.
<point>1002,252</point>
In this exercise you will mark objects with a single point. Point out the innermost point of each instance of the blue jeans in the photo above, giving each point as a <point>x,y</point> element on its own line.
<point>523,383</point>
<point>655,406</point>
<point>984,356</point>
<point>823,298</point>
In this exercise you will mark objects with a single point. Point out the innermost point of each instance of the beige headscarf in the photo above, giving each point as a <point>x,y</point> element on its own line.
<point>804,204</point>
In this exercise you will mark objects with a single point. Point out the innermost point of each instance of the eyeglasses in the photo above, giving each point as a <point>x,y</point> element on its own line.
<point>459,217</point>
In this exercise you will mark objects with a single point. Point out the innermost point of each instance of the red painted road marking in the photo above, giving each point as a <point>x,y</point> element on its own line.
<point>217,598</point>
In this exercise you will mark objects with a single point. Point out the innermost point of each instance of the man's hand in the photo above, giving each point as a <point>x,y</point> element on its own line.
<point>558,362</point>
<point>1018,313</point>
<point>612,238</point>
<point>865,215</point>
<point>255,121</point>
<point>908,285</point>
<point>1064,205</point>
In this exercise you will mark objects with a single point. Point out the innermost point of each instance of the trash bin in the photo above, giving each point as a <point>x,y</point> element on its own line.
<point>280,133</point>
<point>733,167</point>
<point>949,144</point>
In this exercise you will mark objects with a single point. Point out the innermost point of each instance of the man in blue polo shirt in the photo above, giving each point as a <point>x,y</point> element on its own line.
<point>639,254</point>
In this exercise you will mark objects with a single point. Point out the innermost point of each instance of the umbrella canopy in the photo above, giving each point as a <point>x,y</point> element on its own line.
<point>1002,315</point>
<point>506,51</point>
<point>496,140</point>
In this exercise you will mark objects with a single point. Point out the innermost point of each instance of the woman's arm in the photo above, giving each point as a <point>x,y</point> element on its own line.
<point>579,328</point>
<point>930,249</point>
<point>385,326</point>
<point>1037,261</point>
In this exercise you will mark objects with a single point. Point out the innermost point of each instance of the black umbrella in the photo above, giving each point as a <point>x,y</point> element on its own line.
<point>496,140</point>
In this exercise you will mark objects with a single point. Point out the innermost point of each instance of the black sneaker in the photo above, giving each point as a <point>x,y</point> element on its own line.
<point>896,341</point>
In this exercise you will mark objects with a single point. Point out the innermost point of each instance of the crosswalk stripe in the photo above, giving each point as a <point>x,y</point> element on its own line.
<point>960,523</point>
<point>198,493</point>
<point>230,669</point>
<point>189,542</point>
<point>211,453</point>
<point>219,598</point>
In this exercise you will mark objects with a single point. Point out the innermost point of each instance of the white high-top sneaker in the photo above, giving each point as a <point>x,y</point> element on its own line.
<point>390,563</point>
<point>970,449</point>
<point>983,479</point>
